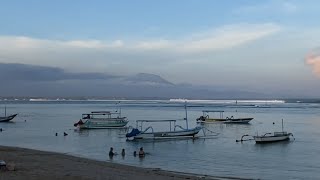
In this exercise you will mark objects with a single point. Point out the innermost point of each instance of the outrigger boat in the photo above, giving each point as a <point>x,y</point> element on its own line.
<point>178,132</point>
<point>276,136</point>
<point>269,137</point>
<point>6,118</point>
<point>206,119</point>
<point>101,120</point>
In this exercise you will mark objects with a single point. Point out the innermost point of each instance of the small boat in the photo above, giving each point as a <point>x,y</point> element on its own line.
<point>206,119</point>
<point>232,120</point>
<point>6,118</point>
<point>101,120</point>
<point>269,137</point>
<point>276,136</point>
<point>149,133</point>
<point>178,132</point>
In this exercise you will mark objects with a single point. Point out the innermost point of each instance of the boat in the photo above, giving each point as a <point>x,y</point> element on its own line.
<point>205,118</point>
<point>273,137</point>
<point>101,120</point>
<point>6,118</point>
<point>178,131</point>
<point>233,120</point>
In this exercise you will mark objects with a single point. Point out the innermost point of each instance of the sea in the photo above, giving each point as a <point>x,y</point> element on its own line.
<point>214,153</point>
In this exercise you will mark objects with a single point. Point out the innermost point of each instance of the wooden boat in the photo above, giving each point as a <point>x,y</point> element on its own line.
<point>6,118</point>
<point>101,120</point>
<point>149,133</point>
<point>276,136</point>
<point>206,119</point>
<point>269,137</point>
<point>178,132</point>
<point>232,120</point>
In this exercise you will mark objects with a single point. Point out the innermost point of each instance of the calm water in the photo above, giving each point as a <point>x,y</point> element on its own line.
<point>218,156</point>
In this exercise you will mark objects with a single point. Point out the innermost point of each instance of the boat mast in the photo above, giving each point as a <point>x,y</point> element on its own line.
<point>282,125</point>
<point>5,111</point>
<point>119,109</point>
<point>185,107</point>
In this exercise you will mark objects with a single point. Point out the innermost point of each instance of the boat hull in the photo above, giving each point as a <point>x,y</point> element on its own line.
<point>237,120</point>
<point>168,134</point>
<point>7,118</point>
<point>270,139</point>
<point>103,124</point>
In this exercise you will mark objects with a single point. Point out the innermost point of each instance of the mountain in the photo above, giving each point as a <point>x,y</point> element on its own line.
<point>145,78</point>
<point>22,80</point>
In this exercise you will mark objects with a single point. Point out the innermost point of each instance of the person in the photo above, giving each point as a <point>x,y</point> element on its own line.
<point>111,153</point>
<point>123,153</point>
<point>141,152</point>
<point>134,153</point>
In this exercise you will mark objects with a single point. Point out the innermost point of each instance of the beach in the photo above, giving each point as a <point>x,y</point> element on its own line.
<point>34,164</point>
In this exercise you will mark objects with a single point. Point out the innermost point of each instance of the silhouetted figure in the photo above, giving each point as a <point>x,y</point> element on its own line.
<point>123,153</point>
<point>134,153</point>
<point>56,134</point>
<point>111,153</point>
<point>65,134</point>
<point>273,123</point>
<point>141,152</point>
<point>0,129</point>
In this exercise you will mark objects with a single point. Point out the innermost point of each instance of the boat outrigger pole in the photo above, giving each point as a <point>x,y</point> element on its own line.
<point>185,107</point>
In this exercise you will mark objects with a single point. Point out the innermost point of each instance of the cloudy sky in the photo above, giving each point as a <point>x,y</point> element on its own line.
<point>264,45</point>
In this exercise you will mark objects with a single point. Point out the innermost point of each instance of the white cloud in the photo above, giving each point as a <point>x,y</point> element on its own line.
<point>98,55</point>
<point>230,36</point>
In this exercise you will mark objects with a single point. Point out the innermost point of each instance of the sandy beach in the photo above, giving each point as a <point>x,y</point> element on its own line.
<point>34,164</point>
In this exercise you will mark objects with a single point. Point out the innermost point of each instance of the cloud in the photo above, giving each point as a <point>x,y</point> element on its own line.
<point>218,38</point>
<point>230,36</point>
<point>313,59</point>
<point>126,56</point>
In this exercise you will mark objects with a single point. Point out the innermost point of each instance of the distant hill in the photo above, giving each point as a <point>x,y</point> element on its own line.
<point>40,81</point>
<point>146,78</point>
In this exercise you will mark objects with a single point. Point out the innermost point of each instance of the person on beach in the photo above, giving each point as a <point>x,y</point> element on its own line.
<point>134,153</point>
<point>123,153</point>
<point>141,152</point>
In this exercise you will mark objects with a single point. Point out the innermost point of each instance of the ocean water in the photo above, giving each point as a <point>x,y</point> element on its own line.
<point>218,155</point>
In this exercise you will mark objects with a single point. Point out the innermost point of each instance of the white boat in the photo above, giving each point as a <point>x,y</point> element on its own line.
<point>178,132</point>
<point>206,119</point>
<point>269,137</point>
<point>101,120</point>
<point>276,136</point>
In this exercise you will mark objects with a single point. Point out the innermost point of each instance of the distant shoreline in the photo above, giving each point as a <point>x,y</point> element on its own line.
<point>35,164</point>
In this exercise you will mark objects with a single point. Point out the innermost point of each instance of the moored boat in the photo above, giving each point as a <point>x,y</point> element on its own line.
<point>205,118</point>
<point>101,120</point>
<point>269,137</point>
<point>178,132</point>
<point>276,136</point>
<point>6,118</point>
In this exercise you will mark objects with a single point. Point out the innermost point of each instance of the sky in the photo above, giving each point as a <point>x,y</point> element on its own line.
<point>256,45</point>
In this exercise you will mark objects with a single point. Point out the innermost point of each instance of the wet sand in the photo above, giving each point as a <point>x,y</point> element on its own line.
<point>34,164</point>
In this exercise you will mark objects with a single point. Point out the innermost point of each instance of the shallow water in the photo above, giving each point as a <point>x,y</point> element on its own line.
<point>220,155</point>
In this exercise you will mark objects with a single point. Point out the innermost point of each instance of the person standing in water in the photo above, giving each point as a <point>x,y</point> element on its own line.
<point>141,152</point>
<point>111,153</point>
<point>123,153</point>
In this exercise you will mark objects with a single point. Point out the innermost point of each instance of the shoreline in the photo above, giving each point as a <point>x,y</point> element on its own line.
<point>35,164</point>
